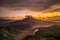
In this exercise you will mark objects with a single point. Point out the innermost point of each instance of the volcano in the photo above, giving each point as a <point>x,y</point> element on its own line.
<point>28,23</point>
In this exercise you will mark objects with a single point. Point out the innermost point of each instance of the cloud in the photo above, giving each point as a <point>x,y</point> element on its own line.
<point>29,4</point>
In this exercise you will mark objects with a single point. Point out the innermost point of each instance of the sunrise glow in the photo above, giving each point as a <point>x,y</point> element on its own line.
<point>46,15</point>
<point>36,15</point>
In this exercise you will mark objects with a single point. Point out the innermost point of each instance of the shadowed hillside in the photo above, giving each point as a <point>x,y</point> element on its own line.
<point>8,33</point>
<point>50,33</point>
<point>27,23</point>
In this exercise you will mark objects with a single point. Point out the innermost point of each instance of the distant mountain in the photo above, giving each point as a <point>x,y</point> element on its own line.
<point>53,19</point>
<point>4,21</point>
<point>27,24</point>
<point>57,10</point>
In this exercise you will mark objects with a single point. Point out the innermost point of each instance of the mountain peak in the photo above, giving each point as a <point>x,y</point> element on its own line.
<point>29,18</point>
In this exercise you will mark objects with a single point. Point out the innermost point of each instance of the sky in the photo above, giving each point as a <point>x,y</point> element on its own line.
<point>10,8</point>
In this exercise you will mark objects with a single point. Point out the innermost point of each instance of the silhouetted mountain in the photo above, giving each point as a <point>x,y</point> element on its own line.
<point>4,21</point>
<point>58,10</point>
<point>26,23</point>
<point>54,19</point>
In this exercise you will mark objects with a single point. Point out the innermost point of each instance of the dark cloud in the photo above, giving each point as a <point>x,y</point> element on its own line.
<point>30,4</point>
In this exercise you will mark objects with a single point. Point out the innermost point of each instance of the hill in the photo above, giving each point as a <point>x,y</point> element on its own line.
<point>27,24</point>
<point>8,33</point>
<point>49,33</point>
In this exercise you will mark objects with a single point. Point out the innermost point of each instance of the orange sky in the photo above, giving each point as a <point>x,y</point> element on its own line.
<point>37,14</point>
<point>14,8</point>
<point>21,14</point>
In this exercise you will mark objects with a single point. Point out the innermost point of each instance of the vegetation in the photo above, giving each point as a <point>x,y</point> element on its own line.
<point>50,33</point>
<point>7,33</point>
